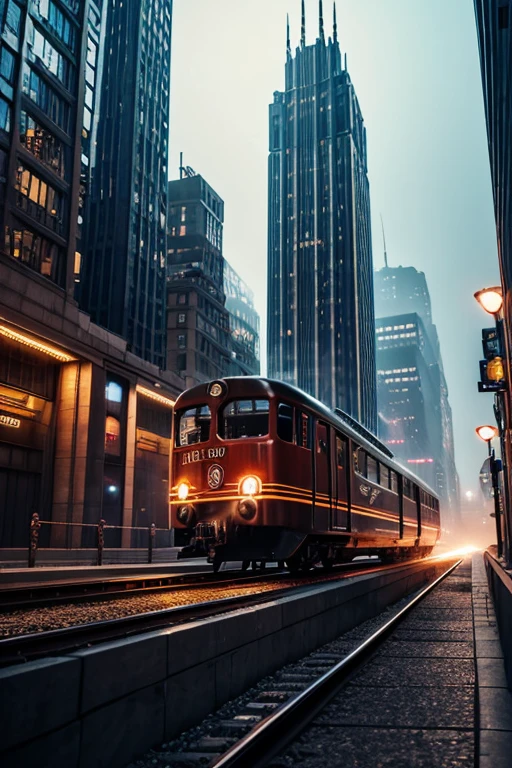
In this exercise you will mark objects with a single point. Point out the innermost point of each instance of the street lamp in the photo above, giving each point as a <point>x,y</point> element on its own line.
<point>490,299</point>
<point>487,433</point>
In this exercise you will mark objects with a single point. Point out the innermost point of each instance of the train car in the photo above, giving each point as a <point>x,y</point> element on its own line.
<point>264,472</point>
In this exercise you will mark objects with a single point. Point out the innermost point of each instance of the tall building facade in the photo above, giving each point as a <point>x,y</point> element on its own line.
<point>84,431</point>
<point>321,332</point>
<point>494,28</point>
<point>41,90</point>
<point>205,340</point>
<point>415,417</point>
<point>125,128</point>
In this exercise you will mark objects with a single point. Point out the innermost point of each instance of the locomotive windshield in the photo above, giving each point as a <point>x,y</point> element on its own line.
<point>244,418</point>
<point>193,425</point>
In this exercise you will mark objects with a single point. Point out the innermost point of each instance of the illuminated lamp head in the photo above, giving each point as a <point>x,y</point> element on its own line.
<point>490,299</point>
<point>486,432</point>
<point>250,486</point>
<point>183,491</point>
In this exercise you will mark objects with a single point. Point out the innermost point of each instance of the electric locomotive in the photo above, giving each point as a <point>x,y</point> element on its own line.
<point>264,472</point>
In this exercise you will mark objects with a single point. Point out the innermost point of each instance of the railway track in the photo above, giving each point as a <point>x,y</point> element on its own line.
<point>28,646</point>
<point>39,595</point>
<point>257,731</point>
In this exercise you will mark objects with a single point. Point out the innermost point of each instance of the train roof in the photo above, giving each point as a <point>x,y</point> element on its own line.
<point>254,386</point>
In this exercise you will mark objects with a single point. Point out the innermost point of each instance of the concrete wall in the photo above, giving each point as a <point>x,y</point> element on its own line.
<point>500,587</point>
<point>102,706</point>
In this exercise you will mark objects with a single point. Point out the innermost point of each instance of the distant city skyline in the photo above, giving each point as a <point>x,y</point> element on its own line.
<point>416,71</point>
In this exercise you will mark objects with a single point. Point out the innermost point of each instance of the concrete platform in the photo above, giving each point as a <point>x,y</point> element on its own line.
<point>22,577</point>
<point>118,699</point>
<point>434,695</point>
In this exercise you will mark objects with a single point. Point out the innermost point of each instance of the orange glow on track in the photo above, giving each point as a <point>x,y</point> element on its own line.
<point>462,552</point>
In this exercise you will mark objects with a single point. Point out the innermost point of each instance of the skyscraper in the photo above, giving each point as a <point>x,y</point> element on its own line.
<point>211,322</point>
<point>321,332</point>
<point>122,281</point>
<point>244,323</point>
<point>415,416</point>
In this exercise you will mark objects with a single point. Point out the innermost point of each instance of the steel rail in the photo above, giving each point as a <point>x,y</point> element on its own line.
<point>26,647</point>
<point>274,733</point>
<point>41,595</point>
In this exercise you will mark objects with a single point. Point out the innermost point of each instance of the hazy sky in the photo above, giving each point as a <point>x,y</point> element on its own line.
<point>415,68</point>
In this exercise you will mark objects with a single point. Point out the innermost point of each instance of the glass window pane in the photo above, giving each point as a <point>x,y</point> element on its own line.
<point>193,425</point>
<point>285,422</point>
<point>242,418</point>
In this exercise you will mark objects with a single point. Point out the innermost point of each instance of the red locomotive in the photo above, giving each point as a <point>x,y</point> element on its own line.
<point>264,472</point>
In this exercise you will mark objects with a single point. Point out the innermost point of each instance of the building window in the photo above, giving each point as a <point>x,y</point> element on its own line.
<point>36,252</point>
<point>112,436</point>
<point>181,362</point>
<point>42,144</point>
<point>41,50</point>
<point>181,317</point>
<point>6,71</point>
<point>5,115</point>
<point>183,230</point>
<point>183,298</point>
<point>182,341</point>
<point>46,203</point>
<point>46,98</point>
<point>12,18</point>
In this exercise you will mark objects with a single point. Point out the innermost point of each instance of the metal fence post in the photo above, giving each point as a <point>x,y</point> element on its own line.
<point>152,534</point>
<point>101,540</point>
<point>34,539</point>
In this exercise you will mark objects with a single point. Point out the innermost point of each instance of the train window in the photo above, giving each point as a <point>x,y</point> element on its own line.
<point>340,452</point>
<point>193,425</point>
<point>393,478</point>
<point>360,461</point>
<point>303,429</point>
<point>285,422</point>
<point>244,418</point>
<point>409,489</point>
<point>372,468</point>
<point>384,475</point>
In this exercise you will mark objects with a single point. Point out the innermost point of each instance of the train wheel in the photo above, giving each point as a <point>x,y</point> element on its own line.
<point>263,565</point>
<point>245,564</point>
<point>216,565</point>
<point>327,564</point>
<point>254,565</point>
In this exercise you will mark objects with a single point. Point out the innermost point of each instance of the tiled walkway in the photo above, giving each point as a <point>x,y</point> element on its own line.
<point>434,696</point>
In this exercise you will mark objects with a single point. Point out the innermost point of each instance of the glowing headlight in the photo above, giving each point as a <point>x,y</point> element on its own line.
<point>250,486</point>
<point>183,489</point>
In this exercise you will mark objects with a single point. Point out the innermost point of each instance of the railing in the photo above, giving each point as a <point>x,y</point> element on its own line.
<point>98,531</point>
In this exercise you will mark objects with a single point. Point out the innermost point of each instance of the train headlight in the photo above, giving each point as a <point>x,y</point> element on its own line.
<point>185,515</point>
<point>183,490</point>
<point>250,486</point>
<point>247,508</point>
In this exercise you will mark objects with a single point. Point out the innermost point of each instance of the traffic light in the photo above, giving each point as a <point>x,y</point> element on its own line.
<point>492,370</point>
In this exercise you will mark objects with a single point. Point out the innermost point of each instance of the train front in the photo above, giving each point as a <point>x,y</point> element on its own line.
<point>223,469</point>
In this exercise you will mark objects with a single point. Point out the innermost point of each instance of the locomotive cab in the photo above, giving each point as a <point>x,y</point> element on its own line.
<point>264,472</point>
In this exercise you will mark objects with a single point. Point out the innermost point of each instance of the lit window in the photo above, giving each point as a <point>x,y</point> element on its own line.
<point>114,392</point>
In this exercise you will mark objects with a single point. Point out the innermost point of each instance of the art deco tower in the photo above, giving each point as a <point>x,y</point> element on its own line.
<point>320,298</point>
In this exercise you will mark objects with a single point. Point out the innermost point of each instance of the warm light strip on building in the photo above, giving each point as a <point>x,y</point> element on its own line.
<point>154,396</point>
<point>420,461</point>
<point>28,341</point>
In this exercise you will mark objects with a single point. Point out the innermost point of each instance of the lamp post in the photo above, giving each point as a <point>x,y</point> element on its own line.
<point>498,372</point>
<point>487,433</point>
